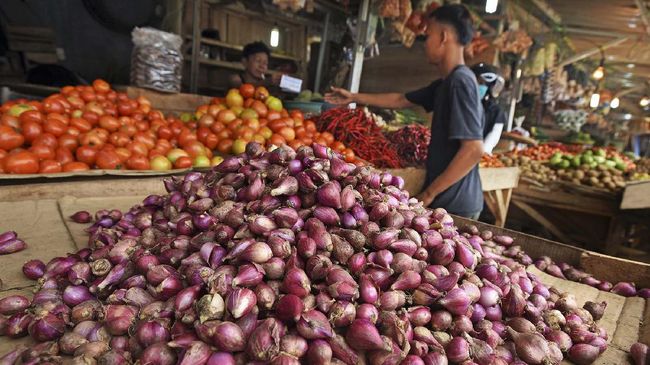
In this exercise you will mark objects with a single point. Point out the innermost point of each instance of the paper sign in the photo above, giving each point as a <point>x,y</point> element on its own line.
<point>290,84</point>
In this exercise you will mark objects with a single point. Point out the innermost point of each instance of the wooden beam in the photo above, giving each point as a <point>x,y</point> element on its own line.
<point>593,51</point>
<point>644,14</point>
<point>593,32</point>
<point>533,213</point>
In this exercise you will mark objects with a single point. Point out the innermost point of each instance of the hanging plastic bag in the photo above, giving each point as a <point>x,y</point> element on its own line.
<point>156,60</point>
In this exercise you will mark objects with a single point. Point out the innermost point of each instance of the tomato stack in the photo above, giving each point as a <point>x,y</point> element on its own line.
<point>252,114</point>
<point>85,127</point>
<point>95,127</point>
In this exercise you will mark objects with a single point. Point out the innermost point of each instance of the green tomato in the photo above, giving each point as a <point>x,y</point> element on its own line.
<point>18,109</point>
<point>201,161</point>
<point>587,159</point>
<point>565,164</point>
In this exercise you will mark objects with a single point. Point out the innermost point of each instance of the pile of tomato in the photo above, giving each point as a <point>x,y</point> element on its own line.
<point>96,127</point>
<point>251,114</point>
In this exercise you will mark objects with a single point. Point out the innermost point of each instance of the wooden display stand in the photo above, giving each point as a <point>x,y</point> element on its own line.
<point>576,214</point>
<point>498,183</point>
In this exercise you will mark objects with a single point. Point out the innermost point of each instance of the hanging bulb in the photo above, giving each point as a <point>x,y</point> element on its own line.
<point>491,6</point>
<point>275,36</point>
<point>599,73</point>
<point>615,103</point>
<point>595,100</point>
<point>644,102</point>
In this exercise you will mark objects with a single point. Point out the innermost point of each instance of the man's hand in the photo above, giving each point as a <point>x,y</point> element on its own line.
<point>339,97</point>
<point>425,198</point>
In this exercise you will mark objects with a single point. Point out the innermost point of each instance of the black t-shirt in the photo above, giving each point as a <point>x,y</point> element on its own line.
<point>493,115</point>
<point>457,115</point>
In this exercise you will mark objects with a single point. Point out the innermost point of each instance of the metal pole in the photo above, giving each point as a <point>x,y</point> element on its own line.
<point>196,45</point>
<point>359,46</point>
<point>321,52</point>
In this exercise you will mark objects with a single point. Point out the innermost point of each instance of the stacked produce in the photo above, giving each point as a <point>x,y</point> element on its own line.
<point>289,257</point>
<point>86,127</point>
<point>565,271</point>
<point>642,170</point>
<point>359,132</point>
<point>250,114</point>
<point>411,143</point>
<point>491,161</point>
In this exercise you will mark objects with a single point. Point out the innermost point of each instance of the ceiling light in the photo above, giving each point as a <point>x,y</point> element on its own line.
<point>627,116</point>
<point>275,36</point>
<point>615,103</point>
<point>595,100</point>
<point>491,6</point>
<point>644,102</point>
<point>630,65</point>
<point>599,73</point>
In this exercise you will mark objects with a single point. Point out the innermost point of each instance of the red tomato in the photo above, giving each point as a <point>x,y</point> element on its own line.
<point>31,130</point>
<point>50,167</point>
<point>165,132</point>
<point>23,162</point>
<point>108,160</point>
<point>64,155</point>
<point>109,123</point>
<point>183,162</point>
<point>75,166</point>
<point>123,153</point>
<point>138,163</point>
<point>138,148</point>
<point>69,141</point>
<point>101,86</point>
<point>86,154</point>
<point>46,139</point>
<point>10,139</point>
<point>119,139</point>
<point>55,127</point>
<point>31,116</point>
<point>43,152</point>
<point>81,124</point>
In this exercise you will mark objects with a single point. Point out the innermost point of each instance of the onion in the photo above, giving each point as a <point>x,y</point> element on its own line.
<point>639,352</point>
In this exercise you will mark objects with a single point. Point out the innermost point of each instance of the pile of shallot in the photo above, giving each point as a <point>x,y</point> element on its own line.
<point>291,257</point>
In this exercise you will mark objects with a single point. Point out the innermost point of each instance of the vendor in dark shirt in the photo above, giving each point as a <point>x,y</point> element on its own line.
<point>255,59</point>
<point>452,180</point>
<point>490,86</point>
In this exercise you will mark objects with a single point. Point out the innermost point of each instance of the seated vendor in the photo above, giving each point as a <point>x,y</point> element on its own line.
<point>255,59</point>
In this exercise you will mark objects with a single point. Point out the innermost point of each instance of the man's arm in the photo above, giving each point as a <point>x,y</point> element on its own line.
<point>388,100</point>
<point>466,158</point>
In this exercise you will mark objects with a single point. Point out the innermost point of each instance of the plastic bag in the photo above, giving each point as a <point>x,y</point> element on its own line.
<point>156,61</point>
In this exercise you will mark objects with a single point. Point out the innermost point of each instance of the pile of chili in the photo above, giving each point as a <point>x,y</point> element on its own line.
<point>411,143</point>
<point>357,131</point>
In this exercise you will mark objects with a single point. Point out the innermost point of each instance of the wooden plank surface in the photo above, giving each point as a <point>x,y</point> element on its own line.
<point>636,196</point>
<point>563,200</point>
<point>601,266</point>
<point>82,188</point>
<point>497,178</point>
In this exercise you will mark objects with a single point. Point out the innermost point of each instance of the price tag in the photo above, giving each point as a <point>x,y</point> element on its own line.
<point>290,84</point>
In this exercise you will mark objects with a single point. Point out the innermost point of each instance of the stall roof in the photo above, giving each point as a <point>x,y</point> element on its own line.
<point>593,23</point>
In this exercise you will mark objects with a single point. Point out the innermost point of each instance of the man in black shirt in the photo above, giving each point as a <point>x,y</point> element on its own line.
<point>452,180</point>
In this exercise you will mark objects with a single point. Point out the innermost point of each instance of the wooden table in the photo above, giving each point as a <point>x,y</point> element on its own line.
<point>498,183</point>
<point>592,218</point>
